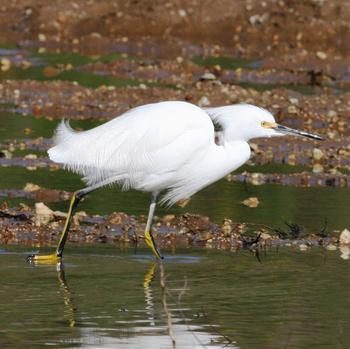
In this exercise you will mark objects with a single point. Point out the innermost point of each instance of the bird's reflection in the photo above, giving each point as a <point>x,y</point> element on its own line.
<point>344,252</point>
<point>149,298</point>
<point>156,292</point>
<point>70,309</point>
<point>149,294</point>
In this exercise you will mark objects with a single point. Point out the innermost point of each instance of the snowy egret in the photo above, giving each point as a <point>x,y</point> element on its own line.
<point>166,146</point>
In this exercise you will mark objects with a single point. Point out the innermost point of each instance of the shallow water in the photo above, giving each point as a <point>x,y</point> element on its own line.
<point>107,298</point>
<point>218,201</point>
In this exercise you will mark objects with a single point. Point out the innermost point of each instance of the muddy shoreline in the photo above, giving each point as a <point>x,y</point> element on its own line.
<point>42,227</point>
<point>89,61</point>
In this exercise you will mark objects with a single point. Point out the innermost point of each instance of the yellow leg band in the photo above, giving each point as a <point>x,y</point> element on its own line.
<point>151,244</point>
<point>57,256</point>
<point>149,276</point>
<point>44,259</point>
<point>62,240</point>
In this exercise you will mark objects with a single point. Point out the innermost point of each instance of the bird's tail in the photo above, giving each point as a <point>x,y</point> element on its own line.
<point>63,137</point>
<point>80,152</point>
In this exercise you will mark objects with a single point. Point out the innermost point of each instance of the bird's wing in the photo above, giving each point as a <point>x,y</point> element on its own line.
<point>154,139</point>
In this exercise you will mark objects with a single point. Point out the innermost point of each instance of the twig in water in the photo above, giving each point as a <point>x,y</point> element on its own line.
<point>252,245</point>
<point>295,229</point>
<point>165,306</point>
<point>323,232</point>
<point>183,291</point>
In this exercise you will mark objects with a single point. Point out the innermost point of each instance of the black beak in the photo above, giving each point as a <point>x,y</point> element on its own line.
<point>291,131</point>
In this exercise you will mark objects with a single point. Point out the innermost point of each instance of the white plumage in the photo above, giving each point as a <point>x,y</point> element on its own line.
<point>166,145</point>
<point>163,146</point>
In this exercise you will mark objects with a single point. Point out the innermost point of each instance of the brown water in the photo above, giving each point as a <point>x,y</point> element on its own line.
<point>107,298</point>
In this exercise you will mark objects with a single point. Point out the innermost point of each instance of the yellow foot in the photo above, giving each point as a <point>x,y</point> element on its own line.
<point>151,244</point>
<point>44,259</point>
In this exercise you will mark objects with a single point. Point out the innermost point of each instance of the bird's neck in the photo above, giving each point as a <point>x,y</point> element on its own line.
<point>236,153</point>
<point>227,157</point>
<point>215,164</point>
<point>234,147</point>
<point>234,134</point>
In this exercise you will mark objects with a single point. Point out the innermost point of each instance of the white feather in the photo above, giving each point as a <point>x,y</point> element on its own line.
<point>144,147</point>
<point>167,145</point>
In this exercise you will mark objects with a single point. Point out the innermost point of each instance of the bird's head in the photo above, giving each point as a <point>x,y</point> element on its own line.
<point>245,121</point>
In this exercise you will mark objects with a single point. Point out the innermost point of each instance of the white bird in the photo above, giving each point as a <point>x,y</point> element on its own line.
<point>166,147</point>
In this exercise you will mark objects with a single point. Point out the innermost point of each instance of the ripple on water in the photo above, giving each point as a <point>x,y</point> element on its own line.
<point>204,297</point>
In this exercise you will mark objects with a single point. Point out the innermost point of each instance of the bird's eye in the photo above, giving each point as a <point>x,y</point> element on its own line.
<point>264,124</point>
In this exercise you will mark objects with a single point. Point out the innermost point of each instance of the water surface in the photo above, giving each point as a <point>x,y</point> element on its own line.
<point>108,298</point>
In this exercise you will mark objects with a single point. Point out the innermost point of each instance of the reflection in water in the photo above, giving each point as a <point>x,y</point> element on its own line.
<point>109,299</point>
<point>69,306</point>
<point>344,252</point>
<point>148,293</point>
<point>161,330</point>
<point>165,304</point>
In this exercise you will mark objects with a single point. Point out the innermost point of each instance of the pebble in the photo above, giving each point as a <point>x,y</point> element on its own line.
<point>258,19</point>
<point>321,55</point>
<point>26,64</point>
<point>291,159</point>
<point>179,59</point>
<point>168,218</point>
<point>41,37</point>
<point>43,214</point>
<point>183,203</point>
<point>331,247</point>
<point>257,178</point>
<point>30,187</point>
<point>252,202</point>
<point>344,252</point>
<point>332,113</point>
<point>294,101</point>
<point>344,238</point>
<point>303,247</point>
<point>317,154</point>
<point>60,214</point>
<point>51,72</point>
<point>208,76</point>
<point>5,64</point>
<point>6,154</point>
<point>204,101</point>
<point>317,168</point>
<point>78,217</point>
<point>16,94</point>
<point>265,236</point>
<point>292,109</point>
<point>28,12</point>
<point>30,157</point>
<point>227,227</point>
<point>182,13</point>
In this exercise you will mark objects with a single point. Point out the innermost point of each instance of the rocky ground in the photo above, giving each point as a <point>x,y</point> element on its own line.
<point>42,227</point>
<point>291,57</point>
